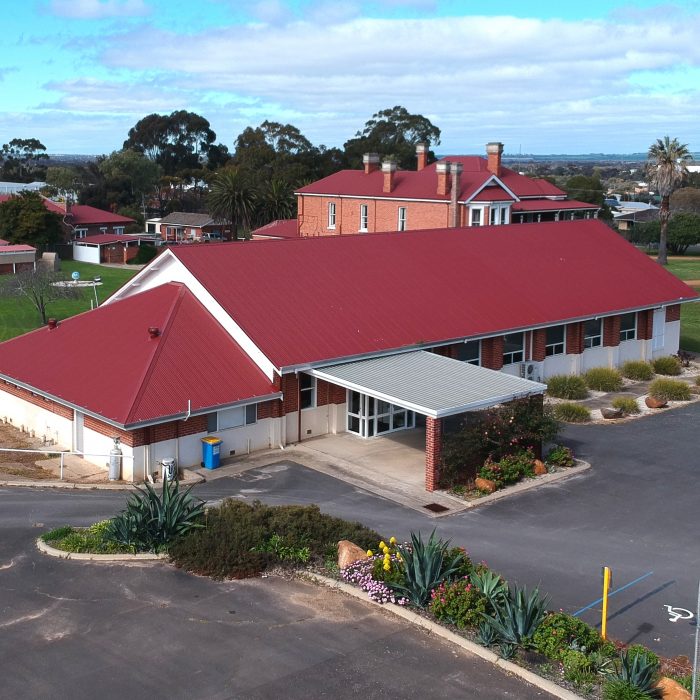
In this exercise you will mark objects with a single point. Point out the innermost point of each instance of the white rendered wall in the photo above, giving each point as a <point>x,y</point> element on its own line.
<point>87,253</point>
<point>35,418</point>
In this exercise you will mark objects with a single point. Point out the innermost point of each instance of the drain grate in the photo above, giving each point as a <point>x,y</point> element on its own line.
<point>435,508</point>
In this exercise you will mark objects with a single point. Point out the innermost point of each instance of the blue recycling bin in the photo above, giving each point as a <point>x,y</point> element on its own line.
<point>211,452</point>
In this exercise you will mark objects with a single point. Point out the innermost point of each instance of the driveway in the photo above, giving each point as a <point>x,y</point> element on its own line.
<point>636,511</point>
<point>80,630</point>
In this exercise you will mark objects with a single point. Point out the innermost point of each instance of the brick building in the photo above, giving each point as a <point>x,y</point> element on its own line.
<point>456,191</point>
<point>268,344</point>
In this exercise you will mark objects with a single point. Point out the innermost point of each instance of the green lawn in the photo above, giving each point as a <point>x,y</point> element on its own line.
<point>685,269</point>
<point>17,315</point>
<point>690,327</point>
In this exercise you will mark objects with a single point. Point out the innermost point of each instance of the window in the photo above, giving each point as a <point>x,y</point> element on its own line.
<point>628,327</point>
<point>555,342</point>
<point>592,333</point>
<point>331,214</point>
<point>470,352</point>
<point>119,230</point>
<point>513,344</point>
<point>476,216</point>
<point>402,219</point>
<point>232,418</point>
<point>307,391</point>
<point>103,229</point>
<point>364,217</point>
<point>499,215</point>
<point>81,232</point>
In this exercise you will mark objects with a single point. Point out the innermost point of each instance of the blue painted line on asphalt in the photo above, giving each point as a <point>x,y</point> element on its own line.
<point>617,590</point>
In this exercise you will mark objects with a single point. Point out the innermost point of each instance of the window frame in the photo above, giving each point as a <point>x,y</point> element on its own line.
<point>402,217</point>
<point>625,332</point>
<point>472,212</point>
<point>510,357</point>
<point>551,349</point>
<point>310,391</point>
<point>364,218</point>
<point>249,416</point>
<point>592,340</point>
<point>332,215</point>
<point>464,356</point>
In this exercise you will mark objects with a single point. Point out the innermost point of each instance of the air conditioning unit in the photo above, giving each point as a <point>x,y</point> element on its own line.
<point>531,371</point>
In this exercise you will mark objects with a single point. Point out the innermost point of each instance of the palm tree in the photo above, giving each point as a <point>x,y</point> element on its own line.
<point>666,168</point>
<point>276,201</point>
<point>232,197</point>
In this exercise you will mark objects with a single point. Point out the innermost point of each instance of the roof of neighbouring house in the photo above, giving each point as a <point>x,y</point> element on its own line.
<point>80,214</point>
<point>551,205</point>
<point>106,239</point>
<point>181,218</point>
<point>4,242</point>
<point>641,216</point>
<point>280,228</point>
<point>422,184</point>
<point>347,296</point>
<point>105,361</point>
<point>18,248</point>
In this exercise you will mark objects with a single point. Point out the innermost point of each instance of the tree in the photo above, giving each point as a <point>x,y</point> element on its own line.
<point>62,181</point>
<point>23,160</point>
<point>393,133</point>
<point>232,197</point>
<point>41,287</point>
<point>683,231</point>
<point>132,172</point>
<point>276,201</point>
<point>686,199</point>
<point>666,169</point>
<point>25,219</point>
<point>585,188</point>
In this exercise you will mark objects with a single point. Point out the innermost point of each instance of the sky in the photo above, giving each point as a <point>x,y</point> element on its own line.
<point>542,77</point>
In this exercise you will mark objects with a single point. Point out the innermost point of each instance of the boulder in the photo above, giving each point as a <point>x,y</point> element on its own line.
<point>653,402</point>
<point>485,485</point>
<point>672,690</point>
<point>611,412</point>
<point>540,467</point>
<point>349,553</point>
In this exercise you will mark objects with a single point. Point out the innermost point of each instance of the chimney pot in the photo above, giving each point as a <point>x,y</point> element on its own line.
<point>422,155</point>
<point>371,162</point>
<point>388,168</point>
<point>494,151</point>
<point>153,332</point>
<point>52,323</point>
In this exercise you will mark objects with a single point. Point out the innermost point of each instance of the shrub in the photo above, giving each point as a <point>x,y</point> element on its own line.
<point>460,603</point>
<point>628,405</point>
<point>668,365</point>
<point>669,390</point>
<point>647,655</point>
<point>638,370</point>
<point>145,254</point>
<point>94,539</point>
<point>637,670</point>
<point>560,456</point>
<point>236,533</point>
<point>57,533</point>
<point>603,379</point>
<point>616,689</point>
<point>425,565</point>
<point>697,380</point>
<point>360,574</point>
<point>510,469</point>
<point>566,386</point>
<point>517,617</point>
<point>577,666</point>
<point>572,413</point>
<point>560,632</point>
<point>151,521</point>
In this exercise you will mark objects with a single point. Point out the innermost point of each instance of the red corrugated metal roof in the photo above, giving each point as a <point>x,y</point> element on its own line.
<point>4,242</point>
<point>106,239</point>
<point>281,228</point>
<point>81,214</point>
<point>105,362</point>
<point>316,299</point>
<point>551,205</point>
<point>422,184</point>
<point>18,248</point>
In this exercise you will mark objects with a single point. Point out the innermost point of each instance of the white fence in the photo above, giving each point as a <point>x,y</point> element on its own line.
<point>62,454</point>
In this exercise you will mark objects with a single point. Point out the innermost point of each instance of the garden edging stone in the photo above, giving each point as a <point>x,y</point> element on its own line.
<point>86,556</point>
<point>472,647</point>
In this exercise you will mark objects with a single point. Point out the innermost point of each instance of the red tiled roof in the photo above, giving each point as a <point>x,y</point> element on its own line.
<point>551,205</point>
<point>422,184</point>
<point>280,228</point>
<point>105,362</point>
<point>341,296</point>
<point>106,239</point>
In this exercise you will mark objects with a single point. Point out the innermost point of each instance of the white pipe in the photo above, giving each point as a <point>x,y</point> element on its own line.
<point>189,410</point>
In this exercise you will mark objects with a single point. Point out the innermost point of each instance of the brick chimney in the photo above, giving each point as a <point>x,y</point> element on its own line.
<point>494,151</point>
<point>443,174</point>
<point>422,155</point>
<point>371,162</point>
<point>388,168</point>
<point>456,171</point>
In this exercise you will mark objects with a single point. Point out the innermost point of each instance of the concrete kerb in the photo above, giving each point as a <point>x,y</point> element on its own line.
<point>191,479</point>
<point>84,556</point>
<point>439,631</point>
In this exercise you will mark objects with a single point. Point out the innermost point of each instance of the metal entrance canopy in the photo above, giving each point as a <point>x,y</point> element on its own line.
<point>429,384</point>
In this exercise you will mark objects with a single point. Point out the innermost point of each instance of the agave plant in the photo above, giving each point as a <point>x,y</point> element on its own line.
<point>152,520</point>
<point>518,615</point>
<point>425,566</point>
<point>486,635</point>
<point>640,672</point>
<point>491,585</point>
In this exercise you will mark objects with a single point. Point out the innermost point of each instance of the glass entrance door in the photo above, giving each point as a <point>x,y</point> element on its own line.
<point>368,417</point>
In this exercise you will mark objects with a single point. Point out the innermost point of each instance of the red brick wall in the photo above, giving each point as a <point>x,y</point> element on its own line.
<point>113,254</point>
<point>539,344</point>
<point>29,397</point>
<point>130,252</point>
<point>492,352</point>
<point>574,338</point>
<point>447,350</point>
<point>673,313</point>
<point>7,269</point>
<point>645,320</point>
<point>433,452</point>
<point>269,409</point>
<point>611,331</point>
<point>290,388</point>
<point>132,438</point>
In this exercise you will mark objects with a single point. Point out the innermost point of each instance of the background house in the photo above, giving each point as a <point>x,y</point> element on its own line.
<point>15,258</point>
<point>183,226</point>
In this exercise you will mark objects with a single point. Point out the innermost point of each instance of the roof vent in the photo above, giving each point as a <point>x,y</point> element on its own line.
<point>52,323</point>
<point>153,332</point>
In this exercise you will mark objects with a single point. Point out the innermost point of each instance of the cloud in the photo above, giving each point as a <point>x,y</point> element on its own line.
<point>99,9</point>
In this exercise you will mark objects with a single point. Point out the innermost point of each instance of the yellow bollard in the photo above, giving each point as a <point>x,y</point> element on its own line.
<point>607,578</point>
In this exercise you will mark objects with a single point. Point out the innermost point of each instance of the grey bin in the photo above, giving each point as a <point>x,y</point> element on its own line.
<point>169,472</point>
